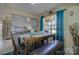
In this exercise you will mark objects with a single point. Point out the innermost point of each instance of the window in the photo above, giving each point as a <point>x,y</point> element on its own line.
<point>50,23</point>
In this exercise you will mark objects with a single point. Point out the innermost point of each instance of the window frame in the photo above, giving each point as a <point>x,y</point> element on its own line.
<point>50,27</point>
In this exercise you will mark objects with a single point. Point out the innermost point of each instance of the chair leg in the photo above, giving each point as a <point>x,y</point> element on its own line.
<point>15,52</point>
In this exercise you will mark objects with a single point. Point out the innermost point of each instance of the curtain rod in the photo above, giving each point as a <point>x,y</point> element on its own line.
<point>55,12</point>
<point>60,10</point>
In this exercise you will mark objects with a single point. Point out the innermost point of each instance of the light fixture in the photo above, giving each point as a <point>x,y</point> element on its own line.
<point>50,12</point>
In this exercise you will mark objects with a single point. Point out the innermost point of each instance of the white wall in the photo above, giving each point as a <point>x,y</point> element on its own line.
<point>68,40</point>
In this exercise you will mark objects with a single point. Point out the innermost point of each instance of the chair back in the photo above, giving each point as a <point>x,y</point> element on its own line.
<point>14,38</point>
<point>31,43</point>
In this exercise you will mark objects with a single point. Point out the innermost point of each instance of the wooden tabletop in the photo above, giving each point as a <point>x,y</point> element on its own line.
<point>38,35</point>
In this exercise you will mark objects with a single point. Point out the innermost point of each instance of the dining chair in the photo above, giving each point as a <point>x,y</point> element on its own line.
<point>31,44</point>
<point>18,49</point>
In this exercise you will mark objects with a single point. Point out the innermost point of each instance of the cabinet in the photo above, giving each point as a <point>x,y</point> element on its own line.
<point>6,29</point>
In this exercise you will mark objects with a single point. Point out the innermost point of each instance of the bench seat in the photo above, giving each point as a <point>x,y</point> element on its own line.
<point>47,49</point>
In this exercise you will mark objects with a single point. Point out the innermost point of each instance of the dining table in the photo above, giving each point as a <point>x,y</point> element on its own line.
<point>21,36</point>
<point>32,38</point>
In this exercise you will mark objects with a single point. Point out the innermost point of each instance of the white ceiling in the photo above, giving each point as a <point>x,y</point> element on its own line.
<point>33,9</point>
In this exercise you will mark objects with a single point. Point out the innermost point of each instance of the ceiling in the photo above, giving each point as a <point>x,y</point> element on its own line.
<point>33,9</point>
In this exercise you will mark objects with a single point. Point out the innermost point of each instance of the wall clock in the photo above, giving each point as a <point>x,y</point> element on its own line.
<point>71,13</point>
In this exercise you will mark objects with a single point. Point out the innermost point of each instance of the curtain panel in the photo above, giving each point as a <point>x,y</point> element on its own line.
<point>41,23</point>
<point>60,26</point>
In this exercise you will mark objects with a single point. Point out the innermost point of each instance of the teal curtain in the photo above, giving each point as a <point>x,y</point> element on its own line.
<point>41,23</point>
<point>60,26</point>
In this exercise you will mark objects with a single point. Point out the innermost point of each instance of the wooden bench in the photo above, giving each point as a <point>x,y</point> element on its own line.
<point>47,49</point>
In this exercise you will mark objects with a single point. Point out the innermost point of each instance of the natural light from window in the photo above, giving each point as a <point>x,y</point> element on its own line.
<point>50,24</point>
